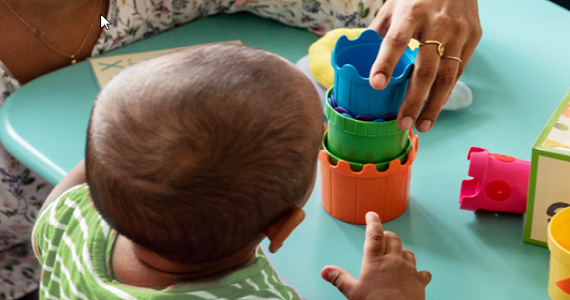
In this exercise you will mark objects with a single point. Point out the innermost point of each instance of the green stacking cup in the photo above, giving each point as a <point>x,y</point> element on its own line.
<point>357,167</point>
<point>363,142</point>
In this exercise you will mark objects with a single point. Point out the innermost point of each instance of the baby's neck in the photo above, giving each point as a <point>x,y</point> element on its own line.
<point>134,265</point>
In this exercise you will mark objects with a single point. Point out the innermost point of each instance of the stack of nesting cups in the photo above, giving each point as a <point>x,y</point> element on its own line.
<point>366,159</point>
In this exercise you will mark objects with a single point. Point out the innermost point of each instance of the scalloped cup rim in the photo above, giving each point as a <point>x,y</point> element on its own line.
<point>369,36</point>
<point>370,170</point>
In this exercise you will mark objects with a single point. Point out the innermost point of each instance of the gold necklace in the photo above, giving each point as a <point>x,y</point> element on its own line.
<point>40,35</point>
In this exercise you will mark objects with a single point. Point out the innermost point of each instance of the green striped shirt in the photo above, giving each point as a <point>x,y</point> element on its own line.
<point>73,244</point>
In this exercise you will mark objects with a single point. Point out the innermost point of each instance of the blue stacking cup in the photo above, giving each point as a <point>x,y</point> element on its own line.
<point>352,61</point>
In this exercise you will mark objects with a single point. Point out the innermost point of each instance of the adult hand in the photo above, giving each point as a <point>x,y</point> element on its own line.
<point>455,24</point>
<point>388,271</point>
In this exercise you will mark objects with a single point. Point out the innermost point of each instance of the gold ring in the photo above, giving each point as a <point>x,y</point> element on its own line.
<point>453,57</point>
<point>440,47</point>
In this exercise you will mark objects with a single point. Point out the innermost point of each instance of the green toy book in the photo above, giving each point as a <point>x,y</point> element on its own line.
<point>105,67</point>
<point>549,183</point>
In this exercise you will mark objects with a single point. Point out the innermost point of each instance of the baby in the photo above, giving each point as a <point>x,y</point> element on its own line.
<point>192,159</point>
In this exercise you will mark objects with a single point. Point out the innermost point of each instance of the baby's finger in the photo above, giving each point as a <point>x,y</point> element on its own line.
<point>393,46</point>
<point>340,278</point>
<point>425,277</point>
<point>374,245</point>
<point>393,243</point>
<point>409,257</point>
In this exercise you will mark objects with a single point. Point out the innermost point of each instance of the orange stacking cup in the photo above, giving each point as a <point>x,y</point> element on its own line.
<point>348,195</point>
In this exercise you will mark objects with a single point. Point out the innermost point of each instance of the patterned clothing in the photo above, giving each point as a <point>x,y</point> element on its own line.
<point>74,246</point>
<point>132,20</point>
<point>22,191</point>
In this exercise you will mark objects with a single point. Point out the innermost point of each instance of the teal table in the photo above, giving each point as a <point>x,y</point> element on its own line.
<point>518,75</point>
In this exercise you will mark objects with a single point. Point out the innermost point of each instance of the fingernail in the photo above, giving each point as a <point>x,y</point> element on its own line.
<point>407,123</point>
<point>372,216</point>
<point>327,274</point>
<point>425,126</point>
<point>379,81</point>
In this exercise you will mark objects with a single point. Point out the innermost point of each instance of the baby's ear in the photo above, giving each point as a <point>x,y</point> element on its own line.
<point>279,231</point>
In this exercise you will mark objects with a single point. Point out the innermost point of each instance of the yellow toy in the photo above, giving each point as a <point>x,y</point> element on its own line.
<point>559,245</point>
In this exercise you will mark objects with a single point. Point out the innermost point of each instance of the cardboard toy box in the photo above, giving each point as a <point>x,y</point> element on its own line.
<point>549,185</point>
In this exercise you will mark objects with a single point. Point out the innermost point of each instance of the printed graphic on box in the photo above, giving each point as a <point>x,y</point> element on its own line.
<point>559,136</point>
<point>549,191</point>
<point>551,185</point>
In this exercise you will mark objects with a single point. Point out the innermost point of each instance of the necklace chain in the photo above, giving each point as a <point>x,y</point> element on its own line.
<point>40,35</point>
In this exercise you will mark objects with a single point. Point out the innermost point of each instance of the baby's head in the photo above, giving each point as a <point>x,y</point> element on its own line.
<point>193,154</point>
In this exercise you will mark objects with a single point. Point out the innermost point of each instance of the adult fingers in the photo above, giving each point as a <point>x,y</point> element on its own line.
<point>458,50</point>
<point>425,277</point>
<point>374,244</point>
<point>393,46</point>
<point>469,47</point>
<point>383,19</point>
<point>474,34</point>
<point>441,88</point>
<point>423,76</point>
<point>340,278</point>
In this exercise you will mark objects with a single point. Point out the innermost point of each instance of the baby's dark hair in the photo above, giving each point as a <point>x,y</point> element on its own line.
<point>193,154</point>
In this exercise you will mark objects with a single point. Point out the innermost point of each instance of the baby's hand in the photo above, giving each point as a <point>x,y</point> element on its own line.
<point>388,271</point>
